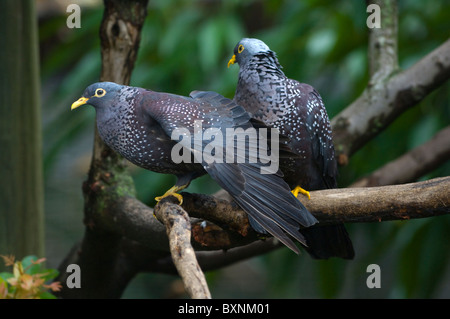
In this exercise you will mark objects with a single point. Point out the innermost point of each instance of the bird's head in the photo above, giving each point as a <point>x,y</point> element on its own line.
<point>246,49</point>
<point>98,95</point>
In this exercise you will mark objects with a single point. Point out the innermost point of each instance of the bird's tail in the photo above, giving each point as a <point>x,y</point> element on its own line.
<point>328,241</point>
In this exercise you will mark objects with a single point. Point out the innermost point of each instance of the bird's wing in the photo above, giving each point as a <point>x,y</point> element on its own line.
<point>329,240</point>
<point>265,197</point>
<point>319,129</point>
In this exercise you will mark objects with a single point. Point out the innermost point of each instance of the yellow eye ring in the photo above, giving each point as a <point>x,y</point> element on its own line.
<point>240,48</point>
<point>99,93</point>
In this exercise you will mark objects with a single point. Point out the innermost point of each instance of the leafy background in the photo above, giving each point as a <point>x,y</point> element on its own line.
<point>185,46</point>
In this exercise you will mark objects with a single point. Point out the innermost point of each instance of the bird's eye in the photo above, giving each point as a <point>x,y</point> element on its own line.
<point>100,92</point>
<point>240,48</point>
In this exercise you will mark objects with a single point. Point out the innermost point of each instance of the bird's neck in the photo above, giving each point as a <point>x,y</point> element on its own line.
<point>261,81</point>
<point>260,69</point>
<point>269,63</point>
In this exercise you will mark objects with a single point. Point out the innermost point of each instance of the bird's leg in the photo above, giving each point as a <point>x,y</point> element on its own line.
<point>173,191</point>
<point>298,190</point>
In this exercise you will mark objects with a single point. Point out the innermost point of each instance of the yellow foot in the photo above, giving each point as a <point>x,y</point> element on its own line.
<point>298,190</point>
<point>172,192</point>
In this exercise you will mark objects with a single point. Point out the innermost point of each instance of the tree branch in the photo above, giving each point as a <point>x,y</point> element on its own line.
<point>396,202</point>
<point>383,59</point>
<point>383,101</point>
<point>330,206</point>
<point>212,260</point>
<point>108,180</point>
<point>178,228</point>
<point>348,205</point>
<point>412,165</point>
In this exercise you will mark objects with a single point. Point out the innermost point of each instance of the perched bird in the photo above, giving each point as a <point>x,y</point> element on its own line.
<point>298,112</point>
<point>139,124</point>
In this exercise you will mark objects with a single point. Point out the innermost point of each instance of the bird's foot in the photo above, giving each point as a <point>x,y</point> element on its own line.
<point>172,192</point>
<point>298,190</point>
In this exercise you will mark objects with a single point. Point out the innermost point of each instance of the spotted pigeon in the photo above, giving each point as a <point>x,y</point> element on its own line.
<point>298,112</point>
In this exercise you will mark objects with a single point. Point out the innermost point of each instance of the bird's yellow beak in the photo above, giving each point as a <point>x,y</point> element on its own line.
<point>79,102</point>
<point>232,60</point>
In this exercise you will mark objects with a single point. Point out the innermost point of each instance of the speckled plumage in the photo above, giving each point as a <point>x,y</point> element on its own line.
<point>138,123</point>
<point>298,112</point>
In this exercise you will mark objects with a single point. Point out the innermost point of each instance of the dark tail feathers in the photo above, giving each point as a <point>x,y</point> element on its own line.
<point>328,241</point>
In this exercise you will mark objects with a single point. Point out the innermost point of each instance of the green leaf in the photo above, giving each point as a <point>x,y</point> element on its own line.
<point>3,288</point>
<point>30,266</point>
<point>6,275</point>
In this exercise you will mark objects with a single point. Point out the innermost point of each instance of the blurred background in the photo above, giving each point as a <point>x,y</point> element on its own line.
<point>185,46</point>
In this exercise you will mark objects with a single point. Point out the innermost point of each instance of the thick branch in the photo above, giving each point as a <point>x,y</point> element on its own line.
<point>407,201</point>
<point>212,260</point>
<point>396,202</point>
<point>178,228</point>
<point>413,164</point>
<point>134,220</point>
<point>380,104</point>
<point>104,273</point>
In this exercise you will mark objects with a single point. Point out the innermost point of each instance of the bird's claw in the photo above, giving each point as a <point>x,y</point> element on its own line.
<point>298,190</point>
<point>170,193</point>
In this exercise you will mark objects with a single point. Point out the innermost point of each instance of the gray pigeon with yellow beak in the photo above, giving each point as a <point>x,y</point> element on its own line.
<point>298,112</point>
